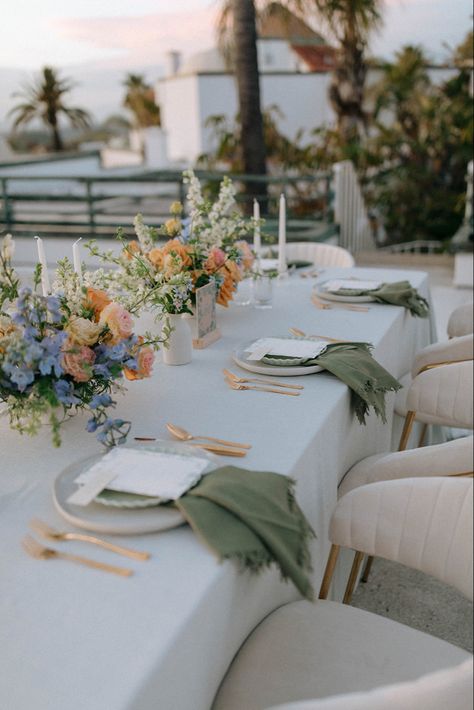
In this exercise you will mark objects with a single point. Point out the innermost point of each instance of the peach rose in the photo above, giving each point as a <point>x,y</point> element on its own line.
<point>6,326</point>
<point>132,248</point>
<point>83,331</point>
<point>155,256</point>
<point>175,247</point>
<point>215,260</point>
<point>247,255</point>
<point>145,359</point>
<point>118,320</point>
<point>97,300</point>
<point>77,361</point>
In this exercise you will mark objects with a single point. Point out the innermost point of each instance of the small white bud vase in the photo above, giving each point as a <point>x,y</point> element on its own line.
<point>180,343</point>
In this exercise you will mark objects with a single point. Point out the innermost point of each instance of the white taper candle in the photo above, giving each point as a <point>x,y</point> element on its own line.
<point>282,268</point>
<point>76,257</point>
<point>45,285</point>
<point>256,232</point>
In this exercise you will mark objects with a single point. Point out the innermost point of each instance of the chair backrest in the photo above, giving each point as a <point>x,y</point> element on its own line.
<point>443,395</point>
<point>424,523</point>
<point>461,321</point>
<point>448,688</point>
<point>319,254</point>
<point>457,349</point>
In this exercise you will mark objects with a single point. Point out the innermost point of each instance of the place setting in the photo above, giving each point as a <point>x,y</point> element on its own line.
<point>350,292</point>
<point>154,487</point>
<point>299,354</point>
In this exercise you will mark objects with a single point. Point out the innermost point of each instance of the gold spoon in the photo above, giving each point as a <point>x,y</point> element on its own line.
<point>302,334</point>
<point>184,435</point>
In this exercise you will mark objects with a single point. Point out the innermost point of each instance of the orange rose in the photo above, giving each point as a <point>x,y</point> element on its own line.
<point>118,320</point>
<point>131,249</point>
<point>176,248</point>
<point>155,256</point>
<point>97,300</point>
<point>145,359</point>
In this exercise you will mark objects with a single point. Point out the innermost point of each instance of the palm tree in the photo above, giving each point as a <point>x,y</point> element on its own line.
<point>44,99</point>
<point>140,100</point>
<point>240,17</point>
<point>349,23</point>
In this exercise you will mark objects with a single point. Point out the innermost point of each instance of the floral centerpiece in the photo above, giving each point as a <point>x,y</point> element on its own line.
<point>65,352</point>
<point>209,245</point>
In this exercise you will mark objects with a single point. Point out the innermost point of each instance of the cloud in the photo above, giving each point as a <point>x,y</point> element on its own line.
<point>144,39</point>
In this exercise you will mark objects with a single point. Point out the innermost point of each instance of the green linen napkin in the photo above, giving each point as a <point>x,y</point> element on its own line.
<point>252,517</point>
<point>399,293</point>
<point>354,365</point>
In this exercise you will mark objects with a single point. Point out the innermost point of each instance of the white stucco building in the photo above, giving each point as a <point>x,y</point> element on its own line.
<point>294,73</point>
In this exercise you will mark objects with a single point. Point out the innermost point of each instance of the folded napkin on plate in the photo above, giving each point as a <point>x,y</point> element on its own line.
<point>354,365</point>
<point>252,517</point>
<point>399,293</point>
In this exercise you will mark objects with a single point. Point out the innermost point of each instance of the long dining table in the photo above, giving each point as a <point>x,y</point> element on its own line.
<point>79,639</point>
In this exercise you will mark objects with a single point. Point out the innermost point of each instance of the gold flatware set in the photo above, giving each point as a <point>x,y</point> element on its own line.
<point>261,385</point>
<point>41,552</point>
<point>208,443</point>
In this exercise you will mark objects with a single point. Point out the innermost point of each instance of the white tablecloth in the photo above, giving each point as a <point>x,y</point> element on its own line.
<point>78,639</point>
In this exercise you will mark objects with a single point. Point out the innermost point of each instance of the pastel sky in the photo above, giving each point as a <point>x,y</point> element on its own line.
<point>123,33</point>
<point>97,42</point>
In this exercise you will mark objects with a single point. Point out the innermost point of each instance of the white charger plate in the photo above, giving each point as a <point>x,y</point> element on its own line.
<point>322,292</point>
<point>113,518</point>
<point>239,356</point>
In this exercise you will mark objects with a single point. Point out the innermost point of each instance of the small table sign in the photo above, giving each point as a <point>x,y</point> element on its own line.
<point>206,328</point>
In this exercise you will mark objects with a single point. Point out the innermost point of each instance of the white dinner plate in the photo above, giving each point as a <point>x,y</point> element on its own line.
<point>321,291</point>
<point>240,358</point>
<point>111,517</point>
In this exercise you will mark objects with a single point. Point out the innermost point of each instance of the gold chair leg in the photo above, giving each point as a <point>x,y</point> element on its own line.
<point>367,568</point>
<point>329,571</point>
<point>410,418</point>
<point>424,429</point>
<point>359,556</point>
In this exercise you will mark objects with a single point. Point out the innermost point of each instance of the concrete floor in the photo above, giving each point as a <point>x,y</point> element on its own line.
<point>394,591</point>
<point>419,601</point>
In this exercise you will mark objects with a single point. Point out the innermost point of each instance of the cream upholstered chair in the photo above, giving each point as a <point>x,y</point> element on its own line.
<point>444,393</point>
<point>453,458</point>
<point>459,349</point>
<point>450,688</point>
<point>308,651</point>
<point>440,396</point>
<point>319,254</point>
<point>461,321</point>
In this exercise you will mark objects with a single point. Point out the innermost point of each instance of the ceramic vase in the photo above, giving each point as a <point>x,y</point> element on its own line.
<point>180,343</point>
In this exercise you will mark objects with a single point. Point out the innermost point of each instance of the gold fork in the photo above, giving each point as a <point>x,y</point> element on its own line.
<point>35,549</point>
<point>236,386</point>
<point>230,376</point>
<point>51,533</point>
<point>328,306</point>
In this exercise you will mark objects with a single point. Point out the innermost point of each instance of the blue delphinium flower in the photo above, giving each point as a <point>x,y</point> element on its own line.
<point>65,392</point>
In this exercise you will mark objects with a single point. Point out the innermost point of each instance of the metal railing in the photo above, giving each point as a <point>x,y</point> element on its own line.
<point>97,206</point>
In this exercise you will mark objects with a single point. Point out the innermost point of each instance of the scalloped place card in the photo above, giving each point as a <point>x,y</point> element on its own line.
<point>148,473</point>
<point>351,284</point>
<point>285,347</point>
